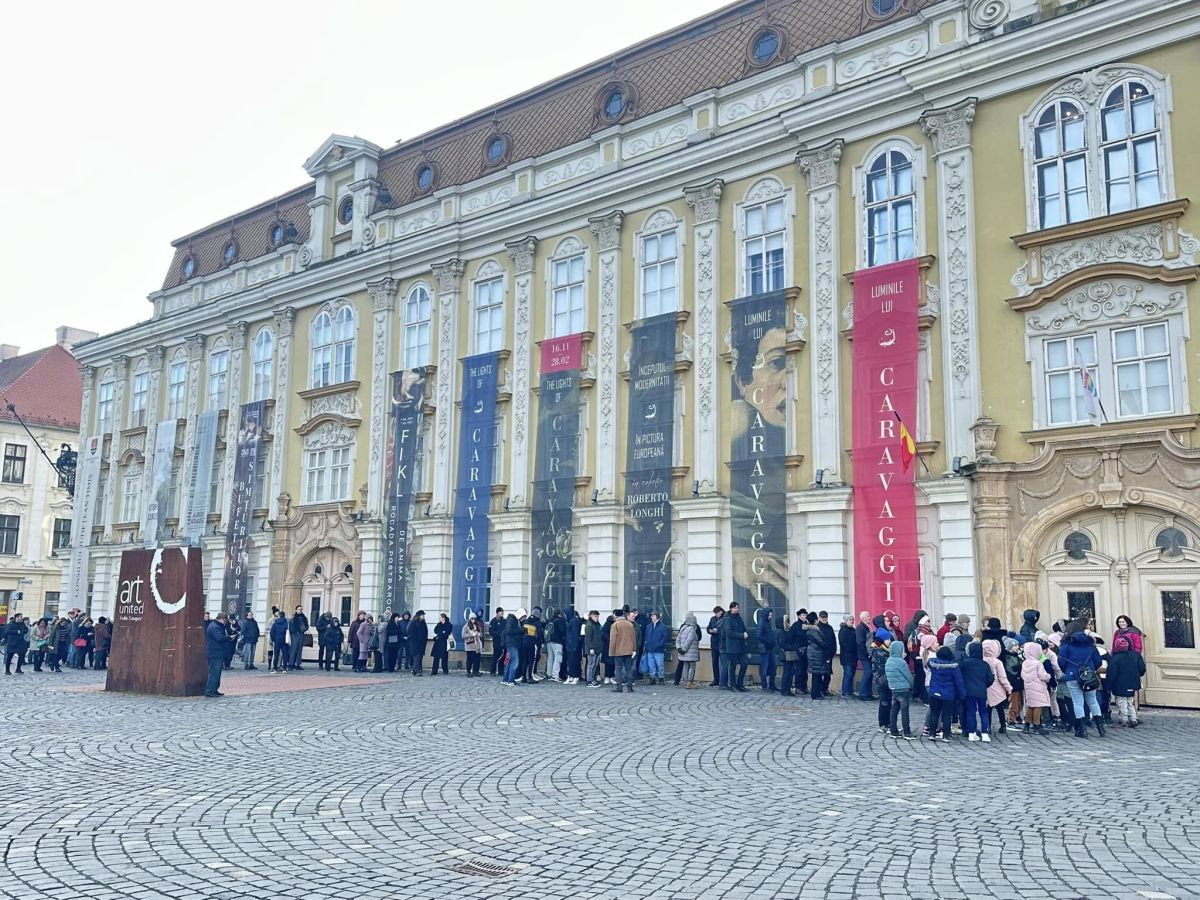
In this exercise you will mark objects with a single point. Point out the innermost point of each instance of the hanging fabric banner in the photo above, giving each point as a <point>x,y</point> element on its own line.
<point>649,458</point>
<point>554,471</point>
<point>160,484</point>
<point>404,447</point>
<point>473,486</point>
<point>200,477</point>
<point>87,488</point>
<point>757,454</point>
<point>887,572</point>
<point>241,507</point>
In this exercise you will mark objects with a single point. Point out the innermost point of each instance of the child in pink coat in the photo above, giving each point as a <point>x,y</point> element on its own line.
<point>1037,687</point>
<point>1000,688</point>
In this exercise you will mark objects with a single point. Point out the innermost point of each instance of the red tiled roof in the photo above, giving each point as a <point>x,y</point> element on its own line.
<point>45,386</point>
<point>707,53</point>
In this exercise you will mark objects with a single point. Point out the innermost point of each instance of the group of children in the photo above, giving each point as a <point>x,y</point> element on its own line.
<point>1030,679</point>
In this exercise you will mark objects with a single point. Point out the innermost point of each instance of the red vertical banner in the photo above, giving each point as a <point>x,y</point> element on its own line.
<point>887,573</point>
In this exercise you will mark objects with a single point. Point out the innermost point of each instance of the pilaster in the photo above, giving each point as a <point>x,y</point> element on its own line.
<point>285,324</point>
<point>154,364</point>
<point>820,168</point>
<point>513,546</point>
<point>599,530</point>
<point>522,254</point>
<point>383,298</point>
<point>705,202</point>
<point>607,229</point>
<point>950,130</point>
<point>827,532</point>
<point>448,276</point>
<point>120,376</point>
<point>236,335</point>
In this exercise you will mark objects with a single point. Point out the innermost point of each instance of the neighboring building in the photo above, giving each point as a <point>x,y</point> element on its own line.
<point>35,509</point>
<point>1027,153</point>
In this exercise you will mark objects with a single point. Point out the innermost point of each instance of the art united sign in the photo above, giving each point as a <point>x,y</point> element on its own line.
<point>886,562</point>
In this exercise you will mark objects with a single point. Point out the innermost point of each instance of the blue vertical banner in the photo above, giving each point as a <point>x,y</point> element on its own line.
<point>473,486</point>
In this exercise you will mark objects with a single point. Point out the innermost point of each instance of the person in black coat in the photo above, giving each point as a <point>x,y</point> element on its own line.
<point>862,636</point>
<point>418,635</point>
<point>16,642</point>
<point>297,629</point>
<point>331,645</point>
<point>250,635</point>
<point>714,644</point>
<point>216,641</point>
<point>441,644</point>
<point>847,642</point>
<point>393,640</point>
<point>787,649</point>
<point>733,649</point>
<point>511,638</point>
<point>820,663</point>
<point>496,631</point>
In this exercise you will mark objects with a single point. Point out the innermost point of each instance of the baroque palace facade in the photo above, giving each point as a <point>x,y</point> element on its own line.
<point>1027,154</point>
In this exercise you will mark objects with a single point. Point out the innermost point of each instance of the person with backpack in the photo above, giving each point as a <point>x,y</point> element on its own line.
<point>879,652</point>
<point>977,678</point>
<point>687,643</point>
<point>1080,663</point>
<point>1126,667</point>
<point>899,683</point>
<point>946,688</point>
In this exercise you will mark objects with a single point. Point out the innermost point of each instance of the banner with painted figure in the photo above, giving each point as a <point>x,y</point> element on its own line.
<point>887,573</point>
<point>473,486</point>
<point>200,477</point>
<point>404,447</point>
<point>241,507</point>
<point>87,488</point>
<point>649,458</point>
<point>554,468</point>
<point>160,484</point>
<point>757,455</point>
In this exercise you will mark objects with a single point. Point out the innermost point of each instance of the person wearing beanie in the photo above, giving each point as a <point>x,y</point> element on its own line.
<point>992,631</point>
<point>687,642</point>
<point>1029,626</point>
<point>951,618</point>
<point>418,637</point>
<point>977,678</point>
<point>820,665</point>
<point>962,626</point>
<point>900,683</point>
<point>1126,667</point>
<point>880,654</point>
<point>946,689</point>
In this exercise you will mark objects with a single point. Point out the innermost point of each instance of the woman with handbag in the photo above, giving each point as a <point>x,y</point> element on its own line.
<point>472,638</point>
<point>1080,663</point>
<point>443,633</point>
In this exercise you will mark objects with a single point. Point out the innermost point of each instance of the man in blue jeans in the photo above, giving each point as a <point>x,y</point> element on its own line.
<point>847,655</point>
<point>512,635</point>
<point>216,643</point>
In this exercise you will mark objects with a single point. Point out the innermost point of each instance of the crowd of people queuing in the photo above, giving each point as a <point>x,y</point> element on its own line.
<point>1064,679</point>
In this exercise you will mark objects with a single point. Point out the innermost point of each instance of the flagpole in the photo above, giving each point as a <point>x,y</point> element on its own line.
<point>920,459</point>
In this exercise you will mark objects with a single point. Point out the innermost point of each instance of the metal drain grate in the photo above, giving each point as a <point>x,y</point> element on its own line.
<point>547,716</point>
<point>484,869</point>
<point>785,709</point>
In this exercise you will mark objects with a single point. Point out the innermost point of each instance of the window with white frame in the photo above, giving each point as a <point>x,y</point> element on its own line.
<point>1064,358</point>
<point>138,396</point>
<point>214,483</point>
<point>176,390</point>
<point>131,496</point>
<point>418,315</point>
<point>104,407</point>
<point>582,445</point>
<point>327,474</point>
<point>660,273</point>
<point>498,450</point>
<point>218,379</point>
<point>259,491</point>
<point>343,345</point>
<point>566,296</point>
<point>262,371</point>
<point>889,208</point>
<point>1142,369</point>
<point>763,242</point>
<point>1096,144</point>
<point>322,350</point>
<point>489,315</point>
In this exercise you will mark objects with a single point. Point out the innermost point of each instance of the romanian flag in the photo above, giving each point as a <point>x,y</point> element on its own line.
<point>908,447</point>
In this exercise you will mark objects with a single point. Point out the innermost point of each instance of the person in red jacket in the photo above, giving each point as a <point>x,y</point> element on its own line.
<point>951,618</point>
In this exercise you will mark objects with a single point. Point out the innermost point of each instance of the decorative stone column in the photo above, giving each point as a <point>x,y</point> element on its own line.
<point>820,167</point>
<point>522,255</point>
<point>383,297</point>
<point>236,335</point>
<point>950,130</point>
<point>154,365</point>
<point>120,375</point>
<point>285,324</point>
<point>607,229</point>
<point>87,420</point>
<point>705,202</point>
<point>448,276</point>
<point>195,354</point>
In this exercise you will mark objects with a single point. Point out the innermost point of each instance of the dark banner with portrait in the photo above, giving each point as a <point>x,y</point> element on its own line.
<point>473,486</point>
<point>404,446</point>
<point>554,470</point>
<point>241,508</point>
<point>648,460</point>
<point>757,455</point>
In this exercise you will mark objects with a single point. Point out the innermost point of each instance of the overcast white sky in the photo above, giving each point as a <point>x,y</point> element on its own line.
<point>131,124</point>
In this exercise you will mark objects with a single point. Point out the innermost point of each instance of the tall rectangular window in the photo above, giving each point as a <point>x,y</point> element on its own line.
<point>61,538</point>
<point>1179,628</point>
<point>10,532</point>
<point>137,399</point>
<point>659,274</point>
<point>218,379</point>
<point>263,365</point>
<point>176,388</point>
<point>258,500</point>
<point>104,407</point>
<point>1064,387</point>
<point>418,314</point>
<point>566,297</point>
<point>489,315</point>
<point>131,496</point>
<point>214,484</point>
<point>763,247</point>
<point>339,473</point>
<point>14,464</point>
<point>1142,360</point>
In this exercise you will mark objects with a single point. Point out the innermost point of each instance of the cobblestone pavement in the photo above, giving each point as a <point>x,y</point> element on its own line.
<point>400,788</point>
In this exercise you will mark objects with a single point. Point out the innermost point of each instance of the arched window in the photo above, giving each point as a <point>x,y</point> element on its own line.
<point>418,311</point>
<point>1060,153</point>
<point>322,349</point>
<point>343,345</point>
<point>264,348</point>
<point>1129,144</point>
<point>889,209</point>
